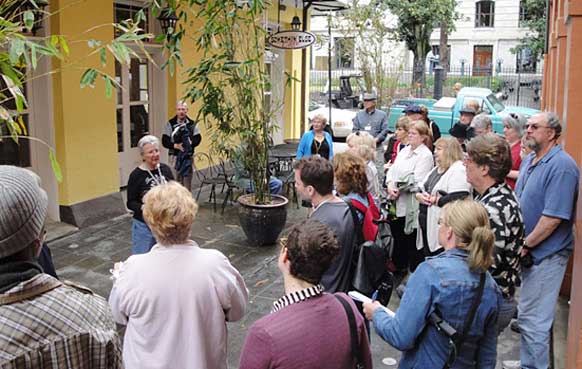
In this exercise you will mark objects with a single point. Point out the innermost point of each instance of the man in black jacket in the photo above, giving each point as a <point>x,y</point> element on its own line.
<point>173,140</point>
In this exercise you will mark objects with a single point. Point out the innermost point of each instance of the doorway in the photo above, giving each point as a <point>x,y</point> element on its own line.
<point>482,60</point>
<point>133,113</point>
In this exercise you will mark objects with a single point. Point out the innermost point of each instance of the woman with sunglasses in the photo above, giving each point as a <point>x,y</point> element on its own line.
<point>513,129</point>
<point>449,285</point>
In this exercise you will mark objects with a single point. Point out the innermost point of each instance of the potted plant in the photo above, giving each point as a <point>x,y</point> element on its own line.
<point>229,83</point>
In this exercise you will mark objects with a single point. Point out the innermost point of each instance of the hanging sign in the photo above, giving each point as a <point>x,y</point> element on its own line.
<point>291,39</point>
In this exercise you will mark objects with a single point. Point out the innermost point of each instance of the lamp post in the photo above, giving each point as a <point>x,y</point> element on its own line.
<point>295,24</point>
<point>168,20</point>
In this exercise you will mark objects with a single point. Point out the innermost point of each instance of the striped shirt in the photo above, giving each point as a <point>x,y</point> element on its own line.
<point>47,324</point>
<point>297,296</point>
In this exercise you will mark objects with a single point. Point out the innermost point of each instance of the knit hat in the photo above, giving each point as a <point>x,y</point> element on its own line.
<point>23,206</point>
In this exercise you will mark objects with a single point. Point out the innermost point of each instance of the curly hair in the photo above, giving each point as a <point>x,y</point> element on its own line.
<point>169,210</point>
<point>311,248</point>
<point>350,173</point>
<point>492,150</point>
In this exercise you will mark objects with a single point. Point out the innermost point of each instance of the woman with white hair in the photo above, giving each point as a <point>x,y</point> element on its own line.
<point>177,298</point>
<point>148,174</point>
<point>513,129</point>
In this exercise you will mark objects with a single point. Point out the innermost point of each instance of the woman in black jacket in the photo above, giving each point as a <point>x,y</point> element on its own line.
<point>147,175</point>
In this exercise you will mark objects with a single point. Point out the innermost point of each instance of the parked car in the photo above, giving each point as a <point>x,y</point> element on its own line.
<point>445,112</point>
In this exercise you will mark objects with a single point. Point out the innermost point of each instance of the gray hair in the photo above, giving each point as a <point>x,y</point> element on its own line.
<point>147,139</point>
<point>181,103</point>
<point>553,121</point>
<point>481,121</point>
<point>516,122</point>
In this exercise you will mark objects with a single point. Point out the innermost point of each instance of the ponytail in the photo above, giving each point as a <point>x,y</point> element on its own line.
<point>481,249</point>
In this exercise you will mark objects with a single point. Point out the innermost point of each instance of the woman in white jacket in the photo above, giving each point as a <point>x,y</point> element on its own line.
<point>445,183</point>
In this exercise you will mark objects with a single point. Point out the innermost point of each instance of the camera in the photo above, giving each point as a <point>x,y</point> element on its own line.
<point>527,261</point>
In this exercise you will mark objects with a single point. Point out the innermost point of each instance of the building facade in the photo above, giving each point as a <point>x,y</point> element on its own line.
<point>95,137</point>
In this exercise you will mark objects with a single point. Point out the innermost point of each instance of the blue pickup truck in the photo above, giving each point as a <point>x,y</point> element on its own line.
<point>445,112</point>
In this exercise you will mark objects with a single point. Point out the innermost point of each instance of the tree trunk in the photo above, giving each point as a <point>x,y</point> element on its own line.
<point>444,52</point>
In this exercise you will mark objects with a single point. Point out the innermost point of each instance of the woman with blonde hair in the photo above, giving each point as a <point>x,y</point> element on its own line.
<point>316,141</point>
<point>453,287</point>
<point>176,299</point>
<point>412,164</point>
<point>364,146</point>
<point>445,183</point>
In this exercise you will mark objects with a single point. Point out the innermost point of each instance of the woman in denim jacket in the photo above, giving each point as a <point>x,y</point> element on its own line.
<point>447,284</point>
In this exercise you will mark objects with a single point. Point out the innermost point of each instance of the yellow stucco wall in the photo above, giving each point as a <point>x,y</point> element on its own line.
<point>84,119</point>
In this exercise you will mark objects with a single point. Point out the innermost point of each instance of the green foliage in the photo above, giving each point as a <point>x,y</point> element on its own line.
<point>19,53</point>
<point>229,82</point>
<point>535,20</point>
<point>368,24</point>
<point>416,21</point>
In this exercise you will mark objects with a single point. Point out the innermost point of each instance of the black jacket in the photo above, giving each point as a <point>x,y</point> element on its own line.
<point>167,137</point>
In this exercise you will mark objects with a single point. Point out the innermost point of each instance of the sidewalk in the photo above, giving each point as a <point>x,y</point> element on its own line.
<point>87,255</point>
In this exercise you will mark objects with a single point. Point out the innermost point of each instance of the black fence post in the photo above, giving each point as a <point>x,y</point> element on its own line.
<point>438,81</point>
<point>518,86</point>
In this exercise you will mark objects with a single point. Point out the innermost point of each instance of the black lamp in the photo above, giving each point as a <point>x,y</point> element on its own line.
<point>168,19</point>
<point>37,7</point>
<point>295,24</point>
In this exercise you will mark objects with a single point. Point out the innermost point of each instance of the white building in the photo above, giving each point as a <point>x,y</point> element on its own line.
<point>485,35</point>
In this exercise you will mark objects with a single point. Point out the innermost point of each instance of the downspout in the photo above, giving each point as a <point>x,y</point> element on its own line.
<point>306,6</point>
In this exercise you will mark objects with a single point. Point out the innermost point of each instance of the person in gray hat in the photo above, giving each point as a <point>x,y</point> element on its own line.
<point>375,122</point>
<point>462,130</point>
<point>45,323</point>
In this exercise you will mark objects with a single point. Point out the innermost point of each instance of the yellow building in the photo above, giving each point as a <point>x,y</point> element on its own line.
<point>95,137</point>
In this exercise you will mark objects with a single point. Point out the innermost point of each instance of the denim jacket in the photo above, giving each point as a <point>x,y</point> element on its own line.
<point>443,283</point>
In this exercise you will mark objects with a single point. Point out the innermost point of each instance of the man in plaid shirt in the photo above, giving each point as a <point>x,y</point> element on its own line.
<point>44,323</point>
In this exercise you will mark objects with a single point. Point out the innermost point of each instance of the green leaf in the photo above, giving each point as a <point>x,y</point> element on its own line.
<point>33,59</point>
<point>16,50</point>
<point>55,165</point>
<point>108,86</point>
<point>160,38</point>
<point>103,56</point>
<point>13,133</point>
<point>88,78</point>
<point>28,17</point>
<point>64,45</point>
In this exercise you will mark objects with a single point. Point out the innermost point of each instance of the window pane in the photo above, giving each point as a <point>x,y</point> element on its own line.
<point>119,130</point>
<point>123,12</point>
<point>138,81</point>
<point>139,121</point>
<point>118,80</point>
<point>12,153</point>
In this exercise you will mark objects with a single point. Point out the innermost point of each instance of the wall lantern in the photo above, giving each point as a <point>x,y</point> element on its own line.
<point>295,24</point>
<point>37,8</point>
<point>168,19</point>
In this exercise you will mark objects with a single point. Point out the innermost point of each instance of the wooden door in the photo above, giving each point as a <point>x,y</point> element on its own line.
<point>482,60</point>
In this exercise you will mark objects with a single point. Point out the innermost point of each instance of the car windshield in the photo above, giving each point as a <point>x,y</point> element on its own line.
<point>495,103</point>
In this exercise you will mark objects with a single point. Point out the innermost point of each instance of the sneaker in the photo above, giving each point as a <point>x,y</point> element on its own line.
<point>511,364</point>
<point>515,327</point>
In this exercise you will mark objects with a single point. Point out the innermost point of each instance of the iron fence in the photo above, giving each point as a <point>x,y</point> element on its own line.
<point>514,88</point>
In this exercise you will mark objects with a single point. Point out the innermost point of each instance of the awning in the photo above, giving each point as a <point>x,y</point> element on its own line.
<point>323,7</point>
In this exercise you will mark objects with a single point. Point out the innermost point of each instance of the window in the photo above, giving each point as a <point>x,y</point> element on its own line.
<point>526,61</point>
<point>484,14</point>
<point>523,16</point>
<point>344,52</point>
<point>128,11</point>
<point>12,153</point>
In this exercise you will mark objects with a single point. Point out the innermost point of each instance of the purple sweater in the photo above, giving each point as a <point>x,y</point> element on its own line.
<point>310,334</point>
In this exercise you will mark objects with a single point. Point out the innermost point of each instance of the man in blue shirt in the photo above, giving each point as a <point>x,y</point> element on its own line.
<point>375,122</point>
<point>547,188</point>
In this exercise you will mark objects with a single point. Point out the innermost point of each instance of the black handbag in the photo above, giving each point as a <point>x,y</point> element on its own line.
<point>369,269</point>
<point>356,354</point>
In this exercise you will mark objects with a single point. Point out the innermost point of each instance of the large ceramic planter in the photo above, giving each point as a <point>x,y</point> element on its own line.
<point>262,224</point>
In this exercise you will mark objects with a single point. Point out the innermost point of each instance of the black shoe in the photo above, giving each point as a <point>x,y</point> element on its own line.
<point>515,327</point>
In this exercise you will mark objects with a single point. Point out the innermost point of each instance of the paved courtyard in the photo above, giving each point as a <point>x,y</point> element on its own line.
<point>87,255</point>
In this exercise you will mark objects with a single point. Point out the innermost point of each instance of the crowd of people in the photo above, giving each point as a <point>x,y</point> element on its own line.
<point>474,216</point>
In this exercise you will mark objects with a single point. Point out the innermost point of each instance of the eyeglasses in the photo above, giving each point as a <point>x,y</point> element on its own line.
<point>534,126</point>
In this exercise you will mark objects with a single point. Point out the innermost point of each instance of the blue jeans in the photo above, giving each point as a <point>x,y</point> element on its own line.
<point>142,239</point>
<point>539,294</point>
<point>505,314</point>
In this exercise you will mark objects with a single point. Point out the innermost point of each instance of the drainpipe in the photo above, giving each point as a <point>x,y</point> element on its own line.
<point>306,6</point>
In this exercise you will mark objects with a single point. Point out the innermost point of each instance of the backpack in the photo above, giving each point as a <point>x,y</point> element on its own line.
<point>371,213</point>
<point>371,256</point>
